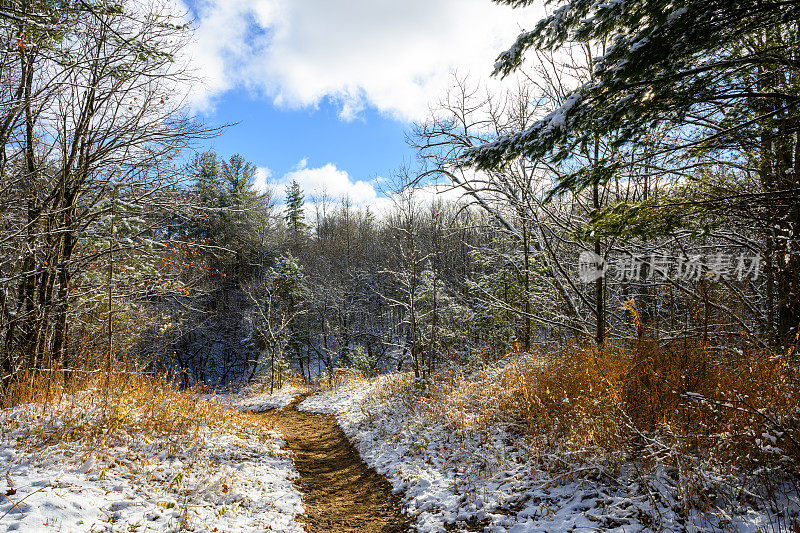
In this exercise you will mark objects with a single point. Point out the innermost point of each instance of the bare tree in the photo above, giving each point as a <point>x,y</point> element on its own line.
<point>96,98</point>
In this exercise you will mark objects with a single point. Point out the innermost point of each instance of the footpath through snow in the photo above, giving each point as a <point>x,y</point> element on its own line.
<point>491,481</point>
<point>341,494</point>
<point>256,400</point>
<point>232,475</point>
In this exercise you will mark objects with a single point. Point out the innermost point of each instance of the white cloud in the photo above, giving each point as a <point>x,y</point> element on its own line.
<point>261,180</point>
<point>444,193</point>
<point>336,184</point>
<point>327,180</point>
<point>422,197</point>
<point>396,56</point>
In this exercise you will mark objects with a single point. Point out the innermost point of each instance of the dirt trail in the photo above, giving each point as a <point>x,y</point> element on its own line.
<point>341,493</point>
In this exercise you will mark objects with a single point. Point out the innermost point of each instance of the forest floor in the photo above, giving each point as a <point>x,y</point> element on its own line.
<point>340,492</point>
<point>169,463</point>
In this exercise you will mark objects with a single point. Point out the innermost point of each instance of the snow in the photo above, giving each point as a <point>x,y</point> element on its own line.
<point>237,479</point>
<point>675,15</point>
<point>338,401</point>
<point>557,119</point>
<point>610,5</point>
<point>639,44</point>
<point>256,401</point>
<point>468,478</point>
<point>231,476</point>
<point>459,480</point>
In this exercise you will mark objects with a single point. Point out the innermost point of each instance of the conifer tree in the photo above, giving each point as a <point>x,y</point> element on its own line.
<point>295,215</point>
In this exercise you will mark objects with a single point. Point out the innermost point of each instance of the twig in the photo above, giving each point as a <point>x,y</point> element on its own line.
<point>746,409</point>
<point>16,505</point>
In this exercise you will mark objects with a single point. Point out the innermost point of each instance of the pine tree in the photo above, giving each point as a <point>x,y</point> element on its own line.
<point>206,170</point>
<point>231,213</point>
<point>295,215</point>
<point>666,63</point>
<point>237,178</point>
<point>283,302</point>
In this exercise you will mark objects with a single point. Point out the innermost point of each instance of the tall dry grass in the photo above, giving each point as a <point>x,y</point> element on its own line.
<point>735,408</point>
<point>95,409</point>
<point>719,428</point>
<point>342,377</point>
<point>716,430</point>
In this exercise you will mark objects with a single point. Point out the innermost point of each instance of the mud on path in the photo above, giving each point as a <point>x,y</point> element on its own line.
<point>341,493</point>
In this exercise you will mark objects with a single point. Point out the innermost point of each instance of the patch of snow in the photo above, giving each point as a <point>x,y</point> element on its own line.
<point>639,44</point>
<point>335,401</point>
<point>678,13</point>
<point>558,118</point>
<point>237,480</point>
<point>257,402</point>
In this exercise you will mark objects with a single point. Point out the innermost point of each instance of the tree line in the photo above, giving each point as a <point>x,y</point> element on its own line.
<point>639,181</point>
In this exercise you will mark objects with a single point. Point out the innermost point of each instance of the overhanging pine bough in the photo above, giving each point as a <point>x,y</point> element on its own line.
<point>722,77</point>
<point>665,61</point>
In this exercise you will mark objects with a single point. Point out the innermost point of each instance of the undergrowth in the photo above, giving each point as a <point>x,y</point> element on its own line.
<point>182,450</point>
<point>715,429</point>
<point>98,410</point>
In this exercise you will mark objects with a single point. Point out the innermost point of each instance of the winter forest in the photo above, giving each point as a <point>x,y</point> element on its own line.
<point>574,307</point>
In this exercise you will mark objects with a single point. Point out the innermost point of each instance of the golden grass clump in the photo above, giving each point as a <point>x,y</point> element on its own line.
<point>644,400</point>
<point>98,410</point>
<point>341,377</point>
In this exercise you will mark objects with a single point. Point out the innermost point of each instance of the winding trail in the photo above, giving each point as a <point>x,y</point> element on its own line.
<point>341,493</point>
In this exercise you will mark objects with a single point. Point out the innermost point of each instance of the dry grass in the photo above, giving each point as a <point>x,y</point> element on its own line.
<point>719,429</point>
<point>177,448</point>
<point>341,377</point>
<point>625,398</point>
<point>97,410</point>
<point>641,400</point>
<point>262,384</point>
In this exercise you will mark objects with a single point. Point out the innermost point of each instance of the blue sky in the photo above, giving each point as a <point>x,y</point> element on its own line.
<point>323,91</point>
<point>367,147</point>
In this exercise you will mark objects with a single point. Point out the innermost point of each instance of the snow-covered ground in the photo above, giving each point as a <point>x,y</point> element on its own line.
<point>256,401</point>
<point>492,480</point>
<point>235,478</point>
